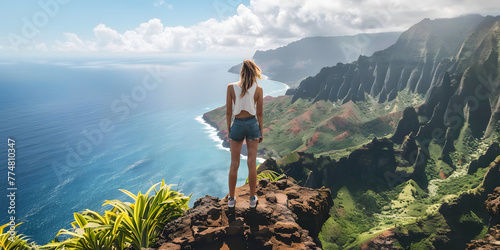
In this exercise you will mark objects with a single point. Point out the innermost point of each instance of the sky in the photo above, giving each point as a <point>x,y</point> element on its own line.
<point>135,27</point>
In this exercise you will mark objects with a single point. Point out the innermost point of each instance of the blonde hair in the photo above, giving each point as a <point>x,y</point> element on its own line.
<point>249,74</point>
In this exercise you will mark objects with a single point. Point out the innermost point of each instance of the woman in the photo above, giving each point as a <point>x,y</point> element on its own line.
<point>244,100</point>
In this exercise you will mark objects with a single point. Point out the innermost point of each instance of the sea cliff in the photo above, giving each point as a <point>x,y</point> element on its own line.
<point>287,216</point>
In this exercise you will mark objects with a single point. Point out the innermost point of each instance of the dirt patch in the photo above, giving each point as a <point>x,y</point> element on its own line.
<point>342,136</point>
<point>340,211</point>
<point>441,174</point>
<point>313,139</point>
<point>340,121</point>
<point>266,130</point>
<point>298,122</point>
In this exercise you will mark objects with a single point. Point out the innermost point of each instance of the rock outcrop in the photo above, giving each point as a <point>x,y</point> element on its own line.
<point>417,61</point>
<point>287,216</point>
<point>384,241</point>
<point>408,124</point>
<point>492,239</point>
<point>485,159</point>
<point>493,205</point>
<point>410,148</point>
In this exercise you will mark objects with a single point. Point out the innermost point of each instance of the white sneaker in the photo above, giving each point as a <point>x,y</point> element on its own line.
<point>230,201</point>
<point>253,201</point>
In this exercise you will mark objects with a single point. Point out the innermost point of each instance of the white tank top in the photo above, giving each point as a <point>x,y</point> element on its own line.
<point>246,102</point>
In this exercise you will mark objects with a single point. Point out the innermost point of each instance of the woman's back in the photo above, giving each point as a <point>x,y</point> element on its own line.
<point>245,102</point>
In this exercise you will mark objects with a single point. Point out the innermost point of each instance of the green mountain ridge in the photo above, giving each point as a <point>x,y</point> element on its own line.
<point>297,60</point>
<point>436,94</point>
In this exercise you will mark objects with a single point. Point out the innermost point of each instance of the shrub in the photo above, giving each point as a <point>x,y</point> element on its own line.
<point>8,241</point>
<point>126,225</point>
<point>271,175</point>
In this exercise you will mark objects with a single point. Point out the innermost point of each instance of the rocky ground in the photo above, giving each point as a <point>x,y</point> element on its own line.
<point>492,239</point>
<point>287,216</point>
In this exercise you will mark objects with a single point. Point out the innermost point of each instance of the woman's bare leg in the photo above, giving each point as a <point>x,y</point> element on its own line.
<point>235,164</point>
<point>252,146</point>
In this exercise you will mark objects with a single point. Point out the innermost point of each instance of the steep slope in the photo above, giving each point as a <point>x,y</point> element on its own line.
<point>303,58</point>
<point>416,61</point>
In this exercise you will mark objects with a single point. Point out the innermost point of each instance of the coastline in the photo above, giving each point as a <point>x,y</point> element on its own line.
<point>220,138</point>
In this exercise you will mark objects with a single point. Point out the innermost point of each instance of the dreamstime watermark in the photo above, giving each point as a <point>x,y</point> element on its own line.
<point>30,27</point>
<point>454,122</point>
<point>122,107</point>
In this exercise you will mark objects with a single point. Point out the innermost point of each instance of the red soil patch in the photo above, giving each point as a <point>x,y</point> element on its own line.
<point>304,117</point>
<point>313,140</point>
<point>331,126</point>
<point>295,129</point>
<point>266,130</point>
<point>303,149</point>
<point>298,121</point>
<point>340,211</point>
<point>290,111</point>
<point>441,174</point>
<point>340,121</point>
<point>392,118</point>
<point>349,113</point>
<point>268,98</point>
<point>342,136</point>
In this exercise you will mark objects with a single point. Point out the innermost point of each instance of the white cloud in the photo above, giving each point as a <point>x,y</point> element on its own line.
<point>74,43</point>
<point>267,24</point>
<point>41,47</point>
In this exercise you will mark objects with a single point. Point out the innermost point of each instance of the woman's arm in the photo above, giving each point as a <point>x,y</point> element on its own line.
<point>260,113</point>
<point>229,107</point>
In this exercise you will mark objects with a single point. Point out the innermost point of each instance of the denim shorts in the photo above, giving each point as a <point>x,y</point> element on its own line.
<point>245,128</point>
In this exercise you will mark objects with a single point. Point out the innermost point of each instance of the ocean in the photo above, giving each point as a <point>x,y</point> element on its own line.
<point>85,128</point>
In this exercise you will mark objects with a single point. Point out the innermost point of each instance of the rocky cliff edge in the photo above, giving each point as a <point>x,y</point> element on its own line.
<point>287,216</point>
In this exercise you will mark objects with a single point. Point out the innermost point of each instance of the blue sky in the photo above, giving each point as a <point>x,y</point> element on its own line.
<point>215,26</point>
<point>81,17</point>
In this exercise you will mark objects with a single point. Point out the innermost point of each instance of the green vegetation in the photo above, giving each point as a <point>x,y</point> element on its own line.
<point>271,175</point>
<point>134,225</point>
<point>14,241</point>
<point>422,232</point>
<point>359,215</point>
<point>325,128</point>
<point>461,184</point>
<point>346,223</point>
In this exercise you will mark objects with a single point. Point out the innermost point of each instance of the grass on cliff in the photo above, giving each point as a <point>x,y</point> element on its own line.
<point>134,225</point>
<point>358,217</point>
<point>346,223</point>
<point>324,127</point>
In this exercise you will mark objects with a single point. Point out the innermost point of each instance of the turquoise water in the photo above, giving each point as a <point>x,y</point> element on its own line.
<point>85,129</point>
